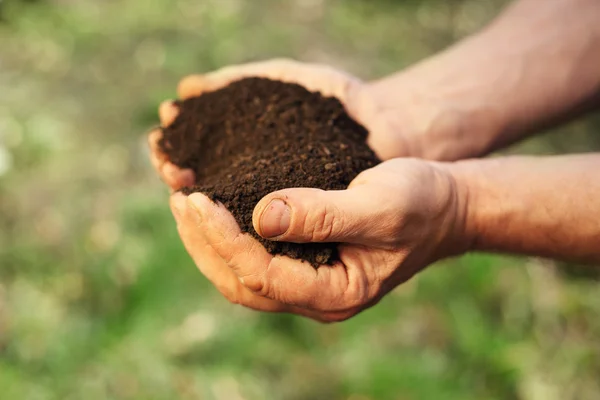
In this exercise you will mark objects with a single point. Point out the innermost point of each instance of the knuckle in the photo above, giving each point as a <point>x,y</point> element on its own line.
<point>336,222</point>
<point>319,222</point>
<point>324,224</point>
<point>358,293</point>
<point>263,285</point>
<point>265,289</point>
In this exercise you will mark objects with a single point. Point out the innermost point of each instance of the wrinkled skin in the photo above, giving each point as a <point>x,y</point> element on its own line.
<point>393,220</point>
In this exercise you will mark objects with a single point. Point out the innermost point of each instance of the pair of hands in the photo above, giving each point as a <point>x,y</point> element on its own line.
<point>393,220</point>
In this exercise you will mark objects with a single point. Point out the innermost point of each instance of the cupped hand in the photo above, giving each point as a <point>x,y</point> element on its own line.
<point>365,273</point>
<point>393,220</point>
<point>362,101</point>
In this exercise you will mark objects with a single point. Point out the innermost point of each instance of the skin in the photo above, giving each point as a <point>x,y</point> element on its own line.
<point>541,206</point>
<point>536,65</point>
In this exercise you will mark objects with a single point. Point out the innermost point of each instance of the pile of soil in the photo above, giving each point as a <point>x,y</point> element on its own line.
<point>256,136</point>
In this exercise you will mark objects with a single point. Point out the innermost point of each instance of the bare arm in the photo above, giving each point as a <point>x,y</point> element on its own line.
<point>536,65</point>
<point>544,206</point>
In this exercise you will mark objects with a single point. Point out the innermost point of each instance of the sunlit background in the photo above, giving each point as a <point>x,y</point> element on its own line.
<point>98,299</point>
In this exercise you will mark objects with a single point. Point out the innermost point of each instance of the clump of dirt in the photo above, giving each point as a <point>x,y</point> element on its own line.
<point>256,136</point>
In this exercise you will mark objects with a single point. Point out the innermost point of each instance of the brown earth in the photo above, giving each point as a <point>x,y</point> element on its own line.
<point>256,136</point>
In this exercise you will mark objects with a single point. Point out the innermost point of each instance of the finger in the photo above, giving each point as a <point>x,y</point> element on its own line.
<point>210,263</point>
<point>173,176</point>
<point>303,215</point>
<point>157,157</point>
<point>222,231</point>
<point>337,291</point>
<point>216,271</point>
<point>314,77</point>
<point>167,112</point>
<point>279,278</point>
<point>191,86</point>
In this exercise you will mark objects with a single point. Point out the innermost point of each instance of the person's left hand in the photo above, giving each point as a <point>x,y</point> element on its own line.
<point>393,220</point>
<point>389,125</point>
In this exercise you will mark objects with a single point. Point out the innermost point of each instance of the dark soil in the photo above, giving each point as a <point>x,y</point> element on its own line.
<point>257,136</point>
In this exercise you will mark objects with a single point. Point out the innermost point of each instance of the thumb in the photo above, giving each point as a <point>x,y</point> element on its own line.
<point>313,215</point>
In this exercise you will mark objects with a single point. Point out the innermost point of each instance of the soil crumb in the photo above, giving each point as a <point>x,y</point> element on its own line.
<point>256,136</point>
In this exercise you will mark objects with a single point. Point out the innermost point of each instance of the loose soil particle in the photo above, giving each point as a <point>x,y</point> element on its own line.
<point>256,136</point>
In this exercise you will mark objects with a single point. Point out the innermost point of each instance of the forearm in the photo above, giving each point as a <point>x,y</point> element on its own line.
<point>536,65</point>
<point>546,206</point>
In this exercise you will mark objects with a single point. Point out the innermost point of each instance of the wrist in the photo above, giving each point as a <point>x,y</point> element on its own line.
<point>443,106</point>
<point>453,233</point>
<point>451,132</point>
<point>464,176</point>
<point>490,187</point>
<point>438,129</point>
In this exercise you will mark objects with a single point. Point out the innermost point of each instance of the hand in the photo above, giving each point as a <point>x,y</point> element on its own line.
<point>362,101</point>
<point>357,97</point>
<point>393,220</point>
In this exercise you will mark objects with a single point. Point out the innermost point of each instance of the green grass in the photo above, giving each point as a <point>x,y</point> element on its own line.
<point>98,299</point>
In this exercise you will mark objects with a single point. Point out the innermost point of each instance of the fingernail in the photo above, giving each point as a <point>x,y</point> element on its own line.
<point>275,220</point>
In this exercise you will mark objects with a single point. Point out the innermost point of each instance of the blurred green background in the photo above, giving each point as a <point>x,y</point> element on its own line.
<point>98,299</point>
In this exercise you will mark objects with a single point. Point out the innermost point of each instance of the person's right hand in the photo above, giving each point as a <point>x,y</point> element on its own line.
<point>393,220</point>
